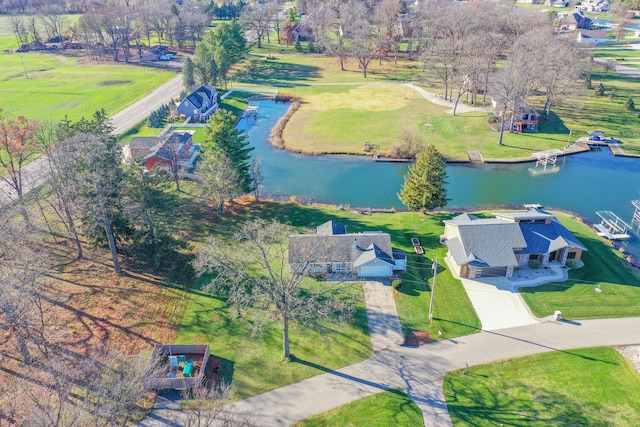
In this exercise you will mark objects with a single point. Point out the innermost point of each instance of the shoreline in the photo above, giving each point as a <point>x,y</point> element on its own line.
<point>580,145</point>
<point>283,198</point>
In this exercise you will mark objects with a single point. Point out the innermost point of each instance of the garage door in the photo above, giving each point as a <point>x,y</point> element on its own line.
<point>374,271</point>
<point>491,272</point>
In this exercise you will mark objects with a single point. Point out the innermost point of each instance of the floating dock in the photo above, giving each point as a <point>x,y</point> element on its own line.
<point>612,226</point>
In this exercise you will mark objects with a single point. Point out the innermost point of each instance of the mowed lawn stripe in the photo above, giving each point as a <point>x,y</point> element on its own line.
<point>60,86</point>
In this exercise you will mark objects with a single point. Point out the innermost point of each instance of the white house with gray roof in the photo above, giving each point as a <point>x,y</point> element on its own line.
<point>492,247</point>
<point>331,250</point>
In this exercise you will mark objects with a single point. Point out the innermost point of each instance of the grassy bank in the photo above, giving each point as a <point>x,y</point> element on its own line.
<point>577,297</point>
<point>595,387</point>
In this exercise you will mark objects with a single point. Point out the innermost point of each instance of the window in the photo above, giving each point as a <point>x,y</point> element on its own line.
<point>534,257</point>
<point>571,255</point>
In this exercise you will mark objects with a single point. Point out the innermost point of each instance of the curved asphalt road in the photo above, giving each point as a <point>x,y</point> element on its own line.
<point>33,174</point>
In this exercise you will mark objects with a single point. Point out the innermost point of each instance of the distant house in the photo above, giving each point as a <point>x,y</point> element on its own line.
<point>331,250</point>
<point>574,21</point>
<point>592,36</point>
<point>525,120</point>
<point>200,104</point>
<point>154,53</point>
<point>173,152</point>
<point>493,247</point>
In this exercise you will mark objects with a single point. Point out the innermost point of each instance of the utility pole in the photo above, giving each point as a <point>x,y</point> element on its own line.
<point>434,267</point>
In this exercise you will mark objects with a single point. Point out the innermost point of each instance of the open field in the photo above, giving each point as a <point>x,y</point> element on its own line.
<point>594,386</point>
<point>339,119</point>
<point>54,86</point>
<point>577,299</point>
<point>392,408</point>
<point>45,86</point>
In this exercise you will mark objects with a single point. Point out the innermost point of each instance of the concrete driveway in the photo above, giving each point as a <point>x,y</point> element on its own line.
<point>497,301</point>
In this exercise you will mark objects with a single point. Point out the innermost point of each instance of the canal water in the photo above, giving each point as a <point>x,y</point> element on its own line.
<point>582,183</point>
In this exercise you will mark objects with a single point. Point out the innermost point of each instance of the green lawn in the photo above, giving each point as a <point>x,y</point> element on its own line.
<point>577,298</point>
<point>253,364</point>
<point>392,408</point>
<point>55,86</point>
<point>339,119</point>
<point>585,387</point>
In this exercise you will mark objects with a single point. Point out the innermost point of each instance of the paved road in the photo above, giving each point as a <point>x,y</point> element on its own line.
<point>33,174</point>
<point>417,371</point>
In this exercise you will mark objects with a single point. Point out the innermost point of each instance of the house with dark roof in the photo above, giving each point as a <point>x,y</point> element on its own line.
<point>574,21</point>
<point>494,247</point>
<point>331,250</point>
<point>200,104</point>
<point>173,152</point>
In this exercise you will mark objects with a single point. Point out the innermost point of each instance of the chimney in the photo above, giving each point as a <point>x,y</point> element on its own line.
<point>355,243</point>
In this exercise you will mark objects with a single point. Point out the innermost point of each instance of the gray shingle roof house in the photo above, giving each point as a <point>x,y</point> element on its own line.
<point>332,250</point>
<point>490,247</point>
<point>200,104</point>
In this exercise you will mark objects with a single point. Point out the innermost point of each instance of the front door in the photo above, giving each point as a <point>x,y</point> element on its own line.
<point>552,256</point>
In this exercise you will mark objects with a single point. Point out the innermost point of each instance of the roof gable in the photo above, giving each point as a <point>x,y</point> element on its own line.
<point>330,228</point>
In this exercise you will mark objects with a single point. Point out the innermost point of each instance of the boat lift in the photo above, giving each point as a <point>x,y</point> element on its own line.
<point>612,226</point>
<point>548,157</point>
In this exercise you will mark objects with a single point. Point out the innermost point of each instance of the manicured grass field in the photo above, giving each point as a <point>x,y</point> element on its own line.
<point>599,112</point>
<point>584,387</point>
<point>392,408</point>
<point>339,119</point>
<point>576,298</point>
<point>54,86</point>
<point>297,70</point>
<point>253,364</point>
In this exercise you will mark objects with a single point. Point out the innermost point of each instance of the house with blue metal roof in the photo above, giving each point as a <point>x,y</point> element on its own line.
<point>494,247</point>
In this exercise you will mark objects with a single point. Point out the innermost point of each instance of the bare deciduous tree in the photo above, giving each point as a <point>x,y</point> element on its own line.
<point>256,20</point>
<point>253,272</point>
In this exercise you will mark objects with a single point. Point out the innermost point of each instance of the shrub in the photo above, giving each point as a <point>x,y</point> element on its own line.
<point>408,147</point>
<point>572,263</point>
<point>491,118</point>
<point>612,96</point>
<point>600,90</point>
<point>396,284</point>
<point>535,264</point>
<point>629,105</point>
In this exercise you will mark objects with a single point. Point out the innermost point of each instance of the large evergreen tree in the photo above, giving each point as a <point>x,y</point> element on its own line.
<point>223,137</point>
<point>424,184</point>
<point>188,75</point>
